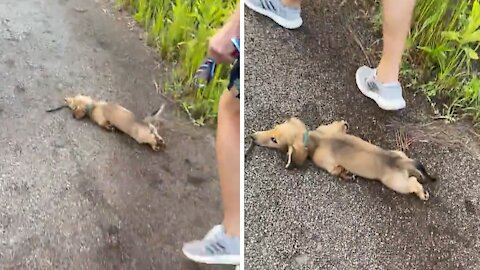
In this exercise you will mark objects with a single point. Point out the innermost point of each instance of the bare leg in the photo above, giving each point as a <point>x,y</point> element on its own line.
<point>228,160</point>
<point>292,3</point>
<point>397,16</point>
<point>221,245</point>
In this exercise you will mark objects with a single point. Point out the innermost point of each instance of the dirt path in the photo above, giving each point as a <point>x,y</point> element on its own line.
<point>76,197</point>
<point>306,219</point>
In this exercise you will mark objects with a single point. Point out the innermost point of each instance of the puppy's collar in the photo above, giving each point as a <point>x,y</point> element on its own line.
<point>89,108</point>
<point>305,139</point>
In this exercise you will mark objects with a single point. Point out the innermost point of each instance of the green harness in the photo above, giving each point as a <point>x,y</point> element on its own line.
<point>89,108</point>
<point>305,139</point>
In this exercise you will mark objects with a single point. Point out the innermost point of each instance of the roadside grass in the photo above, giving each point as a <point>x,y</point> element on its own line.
<point>442,56</point>
<point>180,30</point>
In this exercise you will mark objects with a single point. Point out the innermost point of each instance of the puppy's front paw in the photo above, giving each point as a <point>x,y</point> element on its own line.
<point>110,127</point>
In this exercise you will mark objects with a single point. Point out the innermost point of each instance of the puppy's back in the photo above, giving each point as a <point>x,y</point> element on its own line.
<point>120,117</point>
<point>358,156</point>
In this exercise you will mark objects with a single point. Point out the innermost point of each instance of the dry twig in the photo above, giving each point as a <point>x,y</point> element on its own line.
<point>357,40</point>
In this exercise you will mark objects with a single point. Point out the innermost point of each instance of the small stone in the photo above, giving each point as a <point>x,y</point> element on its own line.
<point>302,259</point>
<point>195,180</point>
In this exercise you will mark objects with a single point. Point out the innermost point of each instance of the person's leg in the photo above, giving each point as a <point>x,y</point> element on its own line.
<point>397,17</point>
<point>381,84</point>
<point>286,13</point>
<point>228,158</point>
<point>221,245</point>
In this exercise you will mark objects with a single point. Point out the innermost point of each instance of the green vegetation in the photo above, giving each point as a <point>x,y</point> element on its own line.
<point>443,53</point>
<point>180,30</point>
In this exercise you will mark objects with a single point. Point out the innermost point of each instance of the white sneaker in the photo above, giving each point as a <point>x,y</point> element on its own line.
<point>287,17</point>
<point>387,96</point>
<point>215,248</point>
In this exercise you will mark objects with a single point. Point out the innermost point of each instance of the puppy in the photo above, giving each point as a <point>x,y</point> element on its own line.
<point>113,116</point>
<point>332,149</point>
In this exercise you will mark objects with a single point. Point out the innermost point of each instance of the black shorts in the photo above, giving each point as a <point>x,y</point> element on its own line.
<point>235,78</point>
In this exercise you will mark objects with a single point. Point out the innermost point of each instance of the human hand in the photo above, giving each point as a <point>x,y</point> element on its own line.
<point>220,47</point>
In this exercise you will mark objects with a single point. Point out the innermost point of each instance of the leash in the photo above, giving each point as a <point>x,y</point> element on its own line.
<point>88,108</point>
<point>250,148</point>
<point>206,71</point>
<point>57,108</point>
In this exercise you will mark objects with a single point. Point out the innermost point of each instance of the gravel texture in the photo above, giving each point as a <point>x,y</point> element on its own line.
<point>72,195</point>
<point>306,219</point>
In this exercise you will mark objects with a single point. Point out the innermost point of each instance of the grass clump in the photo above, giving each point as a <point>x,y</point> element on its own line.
<point>443,53</point>
<point>180,30</point>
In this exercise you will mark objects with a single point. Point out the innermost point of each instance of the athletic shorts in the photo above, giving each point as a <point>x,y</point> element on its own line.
<point>235,78</point>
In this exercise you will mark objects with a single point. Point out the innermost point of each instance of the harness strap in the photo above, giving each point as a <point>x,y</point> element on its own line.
<point>89,108</point>
<point>306,138</point>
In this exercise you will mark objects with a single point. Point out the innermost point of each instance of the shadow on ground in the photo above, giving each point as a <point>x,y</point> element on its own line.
<point>72,195</point>
<point>306,219</point>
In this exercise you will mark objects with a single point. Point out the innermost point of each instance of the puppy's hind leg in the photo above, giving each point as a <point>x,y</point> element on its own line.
<point>402,183</point>
<point>418,188</point>
<point>156,117</point>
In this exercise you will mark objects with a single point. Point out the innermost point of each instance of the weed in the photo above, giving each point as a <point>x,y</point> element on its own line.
<point>180,31</point>
<point>442,55</point>
<point>445,39</point>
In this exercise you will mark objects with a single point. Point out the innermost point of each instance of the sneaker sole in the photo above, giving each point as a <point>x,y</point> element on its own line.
<point>375,97</point>
<point>279,20</point>
<point>222,259</point>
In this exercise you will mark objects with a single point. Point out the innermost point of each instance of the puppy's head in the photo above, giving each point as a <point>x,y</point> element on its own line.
<point>287,137</point>
<point>78,104</point>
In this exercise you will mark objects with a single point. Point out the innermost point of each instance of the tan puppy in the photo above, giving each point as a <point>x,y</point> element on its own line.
<point>111,115</point>
<point>332,149</point>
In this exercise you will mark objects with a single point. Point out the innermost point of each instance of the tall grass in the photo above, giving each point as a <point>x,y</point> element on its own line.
<point>444,45</point>
<point>180,30</point>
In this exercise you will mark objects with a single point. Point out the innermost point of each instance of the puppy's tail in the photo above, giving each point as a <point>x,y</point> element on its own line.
<point>416,168</point>
<point>157,114</point>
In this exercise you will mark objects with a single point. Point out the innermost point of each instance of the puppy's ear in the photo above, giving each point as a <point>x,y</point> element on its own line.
<point>297,153</point>
<point>300,153</point>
